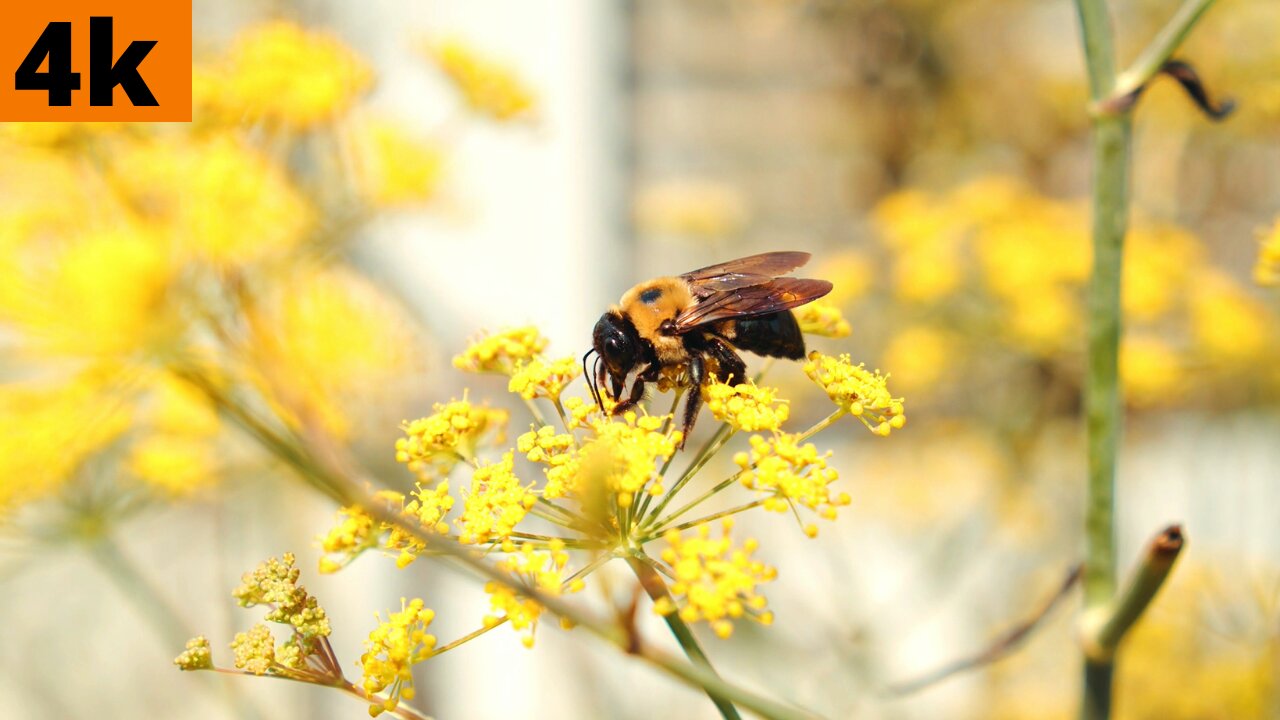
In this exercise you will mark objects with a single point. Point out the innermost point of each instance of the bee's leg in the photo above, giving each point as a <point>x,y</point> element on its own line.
<point>637,390</point>
<point>731,367</point>
<point>693,403</point>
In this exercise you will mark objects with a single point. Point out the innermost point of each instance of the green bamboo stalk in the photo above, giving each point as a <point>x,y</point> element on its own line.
<point>657,590</point>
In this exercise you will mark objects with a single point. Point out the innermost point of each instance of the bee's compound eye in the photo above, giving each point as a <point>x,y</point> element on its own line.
<point>612,346</point>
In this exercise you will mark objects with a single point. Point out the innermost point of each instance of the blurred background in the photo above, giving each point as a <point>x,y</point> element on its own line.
<point>366,186</point>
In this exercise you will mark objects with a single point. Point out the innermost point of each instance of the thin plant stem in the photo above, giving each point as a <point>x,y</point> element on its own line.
<point>666,465</point>
<point>1161,47</point>
<point>1112,141</point>
<point>657,590</point>
<point>659,532</point>
<point>705,453</point>
<point>817,428</point>
<point>538,417</point>
<point>160,615</point>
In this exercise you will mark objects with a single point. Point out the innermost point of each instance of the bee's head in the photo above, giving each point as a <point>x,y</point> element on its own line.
<point>616,344</point>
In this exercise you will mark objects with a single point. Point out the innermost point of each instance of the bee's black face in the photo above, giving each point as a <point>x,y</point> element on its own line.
<point>618,344</point>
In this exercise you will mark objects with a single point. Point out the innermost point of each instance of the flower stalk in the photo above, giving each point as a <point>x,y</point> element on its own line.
<point>1113,96</point>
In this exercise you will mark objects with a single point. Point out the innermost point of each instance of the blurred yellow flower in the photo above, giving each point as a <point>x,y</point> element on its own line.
<point>282,74</point>
<point>920,356</point>
<point>328,341</point>
<point>105,292</point>
<point>177,465</point>
<point>391,651</point>
<point>1267,269</point>
<point>1160,265</point>
<point>48,431</point>
<point>395,168</point>
<point>197,656</point>
<point>218,199</point>
<point>691,208</point>
<point>488,87</point>
<point>715,581</point>
<point>851,272</point>
<point>823,319</point>
<point>1227,324</point>
<point>1151,371</point>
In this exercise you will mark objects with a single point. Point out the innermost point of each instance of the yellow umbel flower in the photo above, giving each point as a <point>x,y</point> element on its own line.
<point>177,465</point>
<point>582,412</point>
<point>791,473</point>
<point>1267,269</point>
<point>197,656</point>
<point>255,651</point>
<point>452,432</point>
<point>822,318</point>
<point>715,581</point>
<point>496,504</point>
<point>105,292</point>
<point>428,507</point>
<point>222,201</point>
<point>393,648</point>
<point>283,74</point>
<point>501,351</point>
<point>860,392</point>
<point>275,583</point>
<point>556,451</point>
<point>395,168</point>
<point>536,378</point>
<point>745,406</point>
<point>488,87</point>
<point>355,532</point>
<point>543,570</point>
<point>625,455</point>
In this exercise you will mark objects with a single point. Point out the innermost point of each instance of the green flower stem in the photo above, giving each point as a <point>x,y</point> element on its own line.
<point>1106,627</point>
<point>817,428</point>
<point>468,637</point>
<point>1161,47</point>
<point>705,453</point>
<point>675,403</point>
<point>655,534</point>
<point>346,491</point>
<point>164,620</point>
<point>657,590</point>
<point>1112,131</point>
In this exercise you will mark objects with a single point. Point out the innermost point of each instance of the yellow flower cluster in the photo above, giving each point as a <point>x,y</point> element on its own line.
<point>451,433</point>
<point>197,656</point>
<point>355,532</point>
<point>822,318</point>
<point>275,583</point>
<point>691,208</point>
<point>501,351</point>
<point>624,455</point>
<point>1267,269</point>
<point>534,378</point>
<point>860,392</point>
<point>392,649</point>
<point>488,87</point>
<point>790,473</point>
<point>496,504</point>
<point>745,406</point>
<point>282,74</point>
<point>178,456</point>
<point>716,581</point>
<point>543,570</point>
<point>556,451</point>
<point>395,167</point>
<point>582,412</point>
<point>255,651</point>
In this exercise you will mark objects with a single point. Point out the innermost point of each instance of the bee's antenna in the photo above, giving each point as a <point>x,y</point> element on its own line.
<point>595,391</point>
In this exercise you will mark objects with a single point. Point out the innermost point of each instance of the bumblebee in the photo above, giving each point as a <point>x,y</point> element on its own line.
<point>696,323</point>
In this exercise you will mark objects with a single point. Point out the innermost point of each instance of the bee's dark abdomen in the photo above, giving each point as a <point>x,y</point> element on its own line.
<point>776,335</point>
